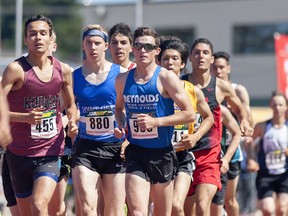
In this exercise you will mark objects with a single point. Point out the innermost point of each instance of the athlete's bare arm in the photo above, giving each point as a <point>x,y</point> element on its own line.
<point>243,95</point>
<point>231,124</point>
<point>5,134</point>
<point>13,78</point>
<point>251,148</point>
<point>170,86</point>
<point>189,140</point>
<point>225,91</point>
<point>120,115</point>
<point>67,93</point>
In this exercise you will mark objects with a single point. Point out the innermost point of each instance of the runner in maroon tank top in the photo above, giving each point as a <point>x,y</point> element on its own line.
<point>32,85</point>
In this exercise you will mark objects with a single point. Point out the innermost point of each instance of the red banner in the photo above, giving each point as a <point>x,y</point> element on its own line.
<point>281,52</point>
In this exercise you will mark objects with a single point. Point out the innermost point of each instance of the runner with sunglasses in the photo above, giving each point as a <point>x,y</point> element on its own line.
<point>145,101</point>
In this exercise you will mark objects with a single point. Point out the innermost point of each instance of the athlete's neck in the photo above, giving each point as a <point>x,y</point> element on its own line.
<point>40,61</point>
<point>200,80</point>
<point>96,67</point>
<point>143,74</point>
<point>278,121</point>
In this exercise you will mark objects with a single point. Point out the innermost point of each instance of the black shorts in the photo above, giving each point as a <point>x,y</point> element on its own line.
<point>186,161</point>
<point>219,197</point>
<point>266,184</point>
<point>101,157</point>
<point>234,170</point>
<point>66,161</point>
<point>25,170</point>
<point>154,165</point>
<point>7,184</point>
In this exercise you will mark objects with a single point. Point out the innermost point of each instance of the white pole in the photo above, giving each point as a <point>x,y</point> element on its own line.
<point>0,31</point>
<point>18,31</point>
<point>139,13</point>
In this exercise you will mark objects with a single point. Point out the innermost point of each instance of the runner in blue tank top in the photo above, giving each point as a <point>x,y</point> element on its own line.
<point>96,150</point>
<point>145,100</point>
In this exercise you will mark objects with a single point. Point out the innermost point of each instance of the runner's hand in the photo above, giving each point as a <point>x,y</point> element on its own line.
<point>119,133</point>
<point>5,135</point>
<point>72,130</point>
<point>34,116</point>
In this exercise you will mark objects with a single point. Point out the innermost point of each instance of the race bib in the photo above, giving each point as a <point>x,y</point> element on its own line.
<point>178,131</point>
<point>100,122</point>
<point>47,128</point>
<point>275,161</point>
<point>138,133</point>
<point>198,121</point>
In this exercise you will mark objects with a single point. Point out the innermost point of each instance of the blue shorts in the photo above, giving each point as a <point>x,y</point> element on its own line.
<point>25,170</point>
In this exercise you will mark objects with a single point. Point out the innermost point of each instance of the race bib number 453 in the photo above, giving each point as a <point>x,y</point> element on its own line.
<point>47,128</point>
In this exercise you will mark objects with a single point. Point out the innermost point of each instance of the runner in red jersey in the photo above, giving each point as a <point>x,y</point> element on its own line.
<point>207,150</point>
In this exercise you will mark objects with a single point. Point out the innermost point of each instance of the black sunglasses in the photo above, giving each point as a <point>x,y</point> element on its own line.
<point>146,46</point>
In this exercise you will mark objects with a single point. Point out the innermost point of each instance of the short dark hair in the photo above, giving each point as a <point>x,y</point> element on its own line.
<point>39,17</point>
<point>178,45</point>
<point>163,38</point>
<point>202,40</point>
<point>222,54</point>
<point>121,28</point>
<point>278,93</point>
<point>146,31</point>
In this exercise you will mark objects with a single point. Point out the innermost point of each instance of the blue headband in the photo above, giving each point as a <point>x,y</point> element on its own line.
<point>95,32</point>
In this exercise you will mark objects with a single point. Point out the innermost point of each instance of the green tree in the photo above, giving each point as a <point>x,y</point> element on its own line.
<point>66,19</point>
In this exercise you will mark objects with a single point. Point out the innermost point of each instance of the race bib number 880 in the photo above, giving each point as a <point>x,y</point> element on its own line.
<point>99,122</point>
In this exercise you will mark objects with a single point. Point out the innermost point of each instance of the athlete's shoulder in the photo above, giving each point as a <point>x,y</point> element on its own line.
<point>122,77</point>
<point>164,73</point>
<point>14,68</point>
<point>239,87</point>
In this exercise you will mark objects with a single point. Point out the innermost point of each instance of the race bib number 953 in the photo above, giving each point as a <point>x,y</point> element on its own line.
<point>138,133</point>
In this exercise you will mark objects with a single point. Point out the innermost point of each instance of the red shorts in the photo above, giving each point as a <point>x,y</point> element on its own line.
<point>207,170</point>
